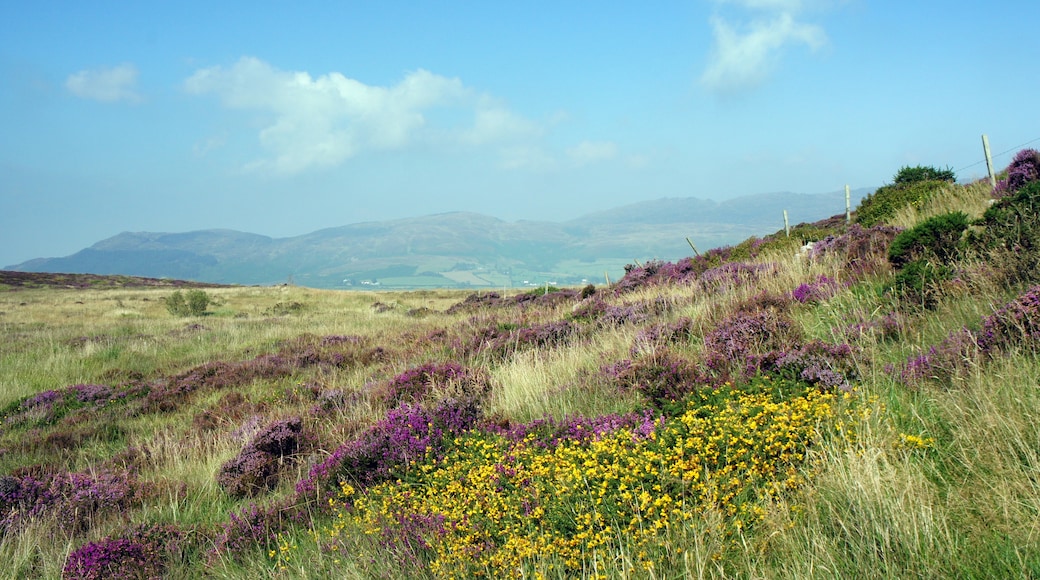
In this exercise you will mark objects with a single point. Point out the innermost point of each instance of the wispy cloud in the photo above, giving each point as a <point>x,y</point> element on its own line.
<point>108,85</point>
<point>323,121</point>
<point>592,151</point>
<point>744,56</point>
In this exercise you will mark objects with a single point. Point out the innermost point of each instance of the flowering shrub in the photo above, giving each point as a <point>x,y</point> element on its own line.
<point>504,506</point>
<point>887,327</point>
<point>256,467</point>
<point>141,554</point>
<point>863,251</point>
<point>416,384</point>
<point>1025,167</point>
<point>733,275</point>
<point>1014,325</point>
<point>1011,233</point>
<point>747,333</point>
<point>407,433</point>
<point>655,336</point>
<point>661,377</point>
<point>72,499</point>
<point>827,366</point>
<point>818,291</point>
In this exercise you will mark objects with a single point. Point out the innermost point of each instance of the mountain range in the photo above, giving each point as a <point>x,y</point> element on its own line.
<point>458,249</point>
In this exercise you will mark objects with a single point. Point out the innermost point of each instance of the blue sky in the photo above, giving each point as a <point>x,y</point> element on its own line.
<point>281,118</point>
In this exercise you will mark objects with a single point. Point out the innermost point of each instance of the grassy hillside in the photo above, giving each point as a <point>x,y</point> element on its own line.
<point>862,408</point>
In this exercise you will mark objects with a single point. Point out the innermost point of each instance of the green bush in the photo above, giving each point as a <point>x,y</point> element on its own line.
<point>936,237</point>
<point>881,205</point>
<point>920,173</point>
<point>194,303</point>
<point>1011,233</point>
<point>921,282</point>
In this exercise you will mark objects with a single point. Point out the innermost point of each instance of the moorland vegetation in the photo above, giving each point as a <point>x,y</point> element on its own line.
<point>852,400</point>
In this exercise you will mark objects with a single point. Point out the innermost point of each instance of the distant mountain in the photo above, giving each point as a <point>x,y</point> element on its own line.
<point>458,249</point>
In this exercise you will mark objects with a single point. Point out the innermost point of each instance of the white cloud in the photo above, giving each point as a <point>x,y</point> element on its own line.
<point>107,85</point>
<point>592,151</point>
<point>742,59</point>
<point>326,120</point>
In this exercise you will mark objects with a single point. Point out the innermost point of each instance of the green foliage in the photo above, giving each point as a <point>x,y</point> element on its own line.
<point>937,237</point>
<point>881,205</point>
<point>920,173</point>
<point>921,281</point>
<point>194,303</point>
<point>1012,233</point>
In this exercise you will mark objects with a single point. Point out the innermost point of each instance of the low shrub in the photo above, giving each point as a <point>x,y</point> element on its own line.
<point>193,303</point>
<point>1010,237</point>
<point>937,237</point>
<point>1023,169</point>
<point>256,468</point>
<point>921,282</point>
<point>143,553</point>
<point>880,206</point>
<point>920,173</point>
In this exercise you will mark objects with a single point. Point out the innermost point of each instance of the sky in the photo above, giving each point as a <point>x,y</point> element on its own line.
<point>281,118</point>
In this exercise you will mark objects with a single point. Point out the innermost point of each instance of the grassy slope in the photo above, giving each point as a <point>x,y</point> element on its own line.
<point>939,481</point>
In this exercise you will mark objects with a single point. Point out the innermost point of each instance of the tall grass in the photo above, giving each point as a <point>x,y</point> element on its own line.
<point>938,479</point>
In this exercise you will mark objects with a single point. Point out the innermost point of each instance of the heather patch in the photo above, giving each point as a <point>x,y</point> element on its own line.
<point>387,449</point>
<point>144,552</point>
<point>817,291</point>
<point>661,377</point>
<point>438,380</point>
<point>745,334</point>
<point>861,251</point>
<point>72,499</point>
<point>258,466</point>
<point>1024,168</point>
<point>1012,326</point>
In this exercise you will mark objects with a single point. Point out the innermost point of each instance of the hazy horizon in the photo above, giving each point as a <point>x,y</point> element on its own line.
<point>279,120</point>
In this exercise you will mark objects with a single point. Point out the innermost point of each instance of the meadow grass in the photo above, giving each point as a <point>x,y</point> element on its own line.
<point>578,464</point>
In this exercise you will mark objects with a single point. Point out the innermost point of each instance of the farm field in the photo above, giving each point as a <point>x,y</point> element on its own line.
<point>854,400</point>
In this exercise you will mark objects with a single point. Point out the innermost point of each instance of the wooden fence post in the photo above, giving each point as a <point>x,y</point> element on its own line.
<point>989,161</point>
<point>787,227</point>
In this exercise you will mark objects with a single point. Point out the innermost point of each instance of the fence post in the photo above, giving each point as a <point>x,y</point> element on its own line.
<point>787,227</point>
<point>989,161</point>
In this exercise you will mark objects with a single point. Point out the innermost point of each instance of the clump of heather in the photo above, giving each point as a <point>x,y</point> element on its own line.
<point>256,468</point>
<point>733,275</point>
<point>1014,325</point>
<point>476,302</point>
<point>823,365</point>
<point>655,336</point>
<point>746,333</point>
<point>661,377</point>
<point>302,352</point>
<point>863,251</point>
<point>250,528</point>
<point>415,385</point>
<point>1025,167</point>
<point>823,288</point>
<point>550,433</point>
<point>408,433</point>
<point>143,553</point>
<point>502,340</point>
<point>74,500</point>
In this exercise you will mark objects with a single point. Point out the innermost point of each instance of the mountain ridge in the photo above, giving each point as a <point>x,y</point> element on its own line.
<point>449,249</point>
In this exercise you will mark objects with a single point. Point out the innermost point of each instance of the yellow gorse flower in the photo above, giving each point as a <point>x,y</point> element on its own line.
<point>499,508</point>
